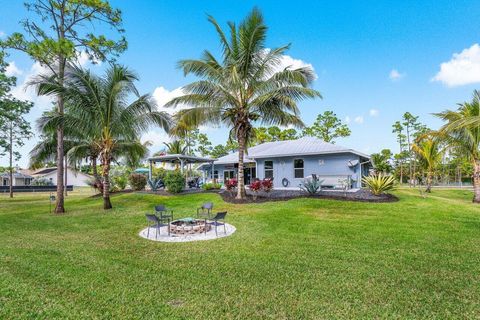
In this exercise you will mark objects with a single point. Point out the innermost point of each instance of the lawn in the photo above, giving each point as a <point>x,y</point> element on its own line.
<point>299,259</point>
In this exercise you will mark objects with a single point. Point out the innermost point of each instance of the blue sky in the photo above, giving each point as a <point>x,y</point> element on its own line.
<point>374,60</point>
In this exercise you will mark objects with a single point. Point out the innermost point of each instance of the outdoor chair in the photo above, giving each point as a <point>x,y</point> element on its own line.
<point>205,210</point>
<point>216,221</point>
<point>163,213</point>
<point>194,183</point>
<point>154,222</point>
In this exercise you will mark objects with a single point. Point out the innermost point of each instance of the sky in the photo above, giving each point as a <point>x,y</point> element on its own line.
<point>374,60</point>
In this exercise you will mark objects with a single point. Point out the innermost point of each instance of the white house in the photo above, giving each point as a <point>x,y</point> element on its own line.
<point>75,178</point>
<point>19,179</point>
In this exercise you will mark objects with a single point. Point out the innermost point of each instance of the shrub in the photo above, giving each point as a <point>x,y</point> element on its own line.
<point>211,186</point>
<point>231,184</point>
<point>379,183</point>
<point>159,173</point>
<point>174,181</point>
<point>255,186</point>
<point>137,181</point>
<point>267,185</point>
<point>41,182</point>
<point>312,186</point>
<point>120,182</point>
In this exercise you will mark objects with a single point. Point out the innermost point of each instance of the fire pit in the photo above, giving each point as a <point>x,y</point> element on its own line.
<point>188,226</point>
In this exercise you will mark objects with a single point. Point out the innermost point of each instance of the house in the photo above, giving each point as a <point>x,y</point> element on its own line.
<point>74,177</point>
<point>19,179</point>
<point>290,162</point>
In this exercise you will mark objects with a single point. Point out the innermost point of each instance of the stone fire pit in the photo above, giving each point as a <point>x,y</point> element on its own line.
<point>186,230</point>
<point>188,226</point>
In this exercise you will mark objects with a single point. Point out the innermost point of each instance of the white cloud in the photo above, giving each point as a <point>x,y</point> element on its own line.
<point>162,96</point>
<point>12,70</point>
<point>292,63</point>
<point>396,75</point>
<point>358,119</point>
<point>2,34</point>
<point>157,138</point>
<point>463,68</point>
<point>374,112</point>
<point>83,59</point>
<point>24,92</point>
<point>347,120</point>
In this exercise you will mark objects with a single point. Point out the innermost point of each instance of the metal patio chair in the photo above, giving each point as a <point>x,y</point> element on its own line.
<point>216,221</point>
<point>154,222</point>
<point>163,213</point>
<point>205,210</point>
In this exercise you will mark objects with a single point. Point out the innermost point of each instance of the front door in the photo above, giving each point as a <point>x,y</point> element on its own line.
<point>249,174</point>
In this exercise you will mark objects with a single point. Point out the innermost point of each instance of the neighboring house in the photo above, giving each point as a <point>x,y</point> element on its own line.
<point>290,162</point>
<point>74,177</point>
<point>19,179</point>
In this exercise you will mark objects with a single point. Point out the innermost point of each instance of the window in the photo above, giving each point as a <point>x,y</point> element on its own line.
<point>215,174</point>
<point>298,168</point>
<point>268,169</point>
<point>228,174</point>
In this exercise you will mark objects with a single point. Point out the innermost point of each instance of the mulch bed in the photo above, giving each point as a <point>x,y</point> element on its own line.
<point>284,195</point>
<point>276,195</point>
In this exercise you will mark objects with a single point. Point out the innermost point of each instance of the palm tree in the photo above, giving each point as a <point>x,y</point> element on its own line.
<point>176,147</point>
<point>462,131</point>
<point>428,148</point>
<point>245,86</point>
<point>100,108</point>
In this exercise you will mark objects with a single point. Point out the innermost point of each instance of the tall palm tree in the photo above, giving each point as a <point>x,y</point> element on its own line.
<point>462,131</point>
<point>100,108</point>
<point>246,86</point>
<point>176,147</point>
<point>428,148</point>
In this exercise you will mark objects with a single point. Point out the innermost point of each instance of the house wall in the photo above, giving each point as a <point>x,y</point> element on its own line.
<point>16,181</point>
<point>332,165</point>
<point>74,178</point>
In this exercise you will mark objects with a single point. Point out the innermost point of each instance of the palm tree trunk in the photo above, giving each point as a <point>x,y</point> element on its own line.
<point>241,151</point>
<point>10,164</point>
<point>60,204</point>
<point>476,181</point>
<point>106,183</point>
<point>429,182</point>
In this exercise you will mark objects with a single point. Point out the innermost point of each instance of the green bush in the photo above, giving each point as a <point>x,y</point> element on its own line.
<point>174,181</point>
<point>379,183</point>
<point>159,173</point>
<point>137,181</point>
<point>120,182</point>
<point>211,186</point>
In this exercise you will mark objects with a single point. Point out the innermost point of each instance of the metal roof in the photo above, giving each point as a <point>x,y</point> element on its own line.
<point>16,175</point>
<point>176,158</point>
<point>300,147</point>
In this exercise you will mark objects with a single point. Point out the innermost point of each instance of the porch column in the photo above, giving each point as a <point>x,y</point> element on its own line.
<point>150,171</point>
<point>213,169</point>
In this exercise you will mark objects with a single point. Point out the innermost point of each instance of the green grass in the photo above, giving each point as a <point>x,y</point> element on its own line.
<point>301,259</point>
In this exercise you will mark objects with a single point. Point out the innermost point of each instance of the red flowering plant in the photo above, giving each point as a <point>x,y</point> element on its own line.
<point>267,185</point>
<point>255,186</point>
<point>231,184</point>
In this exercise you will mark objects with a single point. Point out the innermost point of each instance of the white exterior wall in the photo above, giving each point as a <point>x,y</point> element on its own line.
<point>74,178</point>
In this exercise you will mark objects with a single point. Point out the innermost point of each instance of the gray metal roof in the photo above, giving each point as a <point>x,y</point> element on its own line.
<point>299,147</point>
<point>16,175</point>
<point>175,158</point>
